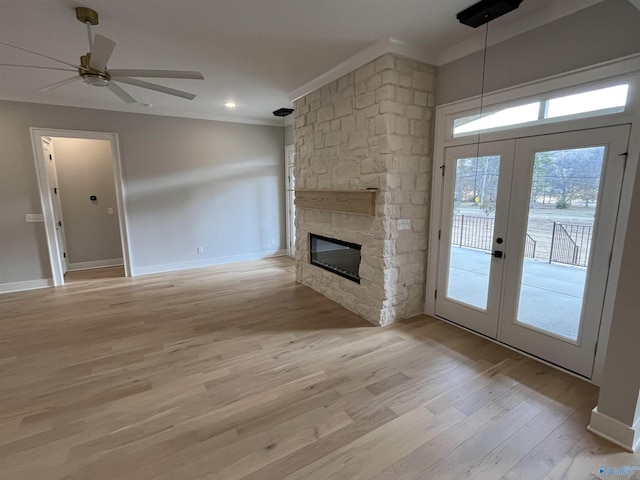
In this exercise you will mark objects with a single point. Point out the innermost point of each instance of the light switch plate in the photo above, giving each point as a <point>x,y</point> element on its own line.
<point>404,224</point>
<point>110,211</point>
<point>33,218</point>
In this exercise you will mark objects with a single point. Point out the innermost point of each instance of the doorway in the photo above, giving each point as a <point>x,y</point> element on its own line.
<point>74,244</point>
<point>526,232</point>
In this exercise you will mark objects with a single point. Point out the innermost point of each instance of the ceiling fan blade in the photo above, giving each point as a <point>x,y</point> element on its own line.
<point>157,88</point>
<point>156,74</point>
<point>59,84</point>
<point>102,50</point>
<point>41,55</point>
<point>120,93</point>
<point>36,66</point>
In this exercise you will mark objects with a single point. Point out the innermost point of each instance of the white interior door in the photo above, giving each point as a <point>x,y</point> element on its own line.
<point>561,225</point>
<point>290,186</point>
<point>526,237</point>
<point>61,241</point>
<point>477,187</point>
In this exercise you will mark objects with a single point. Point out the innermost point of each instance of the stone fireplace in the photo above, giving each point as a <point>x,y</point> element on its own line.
<point>370,129</point>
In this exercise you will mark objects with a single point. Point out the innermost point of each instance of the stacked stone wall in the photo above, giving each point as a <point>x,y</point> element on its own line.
<point>371,128</point>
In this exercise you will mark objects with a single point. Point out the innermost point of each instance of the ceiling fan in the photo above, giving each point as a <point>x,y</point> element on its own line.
<point>93,66</point>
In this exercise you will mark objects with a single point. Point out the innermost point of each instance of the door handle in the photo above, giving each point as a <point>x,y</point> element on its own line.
<point>496,253</point>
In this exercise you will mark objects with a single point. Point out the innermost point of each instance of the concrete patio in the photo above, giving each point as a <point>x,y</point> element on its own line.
<point>550,298</point>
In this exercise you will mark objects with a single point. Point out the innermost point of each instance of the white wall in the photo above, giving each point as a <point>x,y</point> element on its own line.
<point>85,167</point>
<point>289,139</point>
<point>619,395</point>
<point>187,183</point>
<point>604,31</point>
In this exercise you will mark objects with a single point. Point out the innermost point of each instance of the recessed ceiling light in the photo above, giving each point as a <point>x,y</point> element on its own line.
<point>230,105</point>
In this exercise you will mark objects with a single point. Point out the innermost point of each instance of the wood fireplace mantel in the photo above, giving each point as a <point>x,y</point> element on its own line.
<point>362,202</point>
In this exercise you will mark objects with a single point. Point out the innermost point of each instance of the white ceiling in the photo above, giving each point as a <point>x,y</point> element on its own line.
<point>256,52</point>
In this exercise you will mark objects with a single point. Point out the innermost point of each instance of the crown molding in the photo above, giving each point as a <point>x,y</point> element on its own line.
<point>521,25</point>
<point>375,50</point>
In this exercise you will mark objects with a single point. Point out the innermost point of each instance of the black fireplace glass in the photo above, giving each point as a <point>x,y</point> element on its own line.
<point>336,256</point>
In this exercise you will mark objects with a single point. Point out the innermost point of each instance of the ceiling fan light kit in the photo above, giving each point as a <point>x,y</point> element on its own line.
<point>95,80</point>
<point>91,76</point>
<point>93,66</point>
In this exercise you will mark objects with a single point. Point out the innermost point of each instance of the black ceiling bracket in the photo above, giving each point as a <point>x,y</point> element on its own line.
<point>486,10</point>
<point>283,112</point>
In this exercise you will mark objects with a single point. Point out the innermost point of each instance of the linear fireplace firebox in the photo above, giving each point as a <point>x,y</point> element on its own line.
<point>336,256</point>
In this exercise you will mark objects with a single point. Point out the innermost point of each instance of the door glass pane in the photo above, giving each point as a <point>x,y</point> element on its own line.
<point>558,239</point>
<point>475,193</point>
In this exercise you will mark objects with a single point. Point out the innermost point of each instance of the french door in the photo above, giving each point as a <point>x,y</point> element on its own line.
<point>526,237</point>
<point>477,189</point>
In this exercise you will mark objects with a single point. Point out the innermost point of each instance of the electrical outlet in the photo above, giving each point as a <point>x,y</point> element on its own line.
<point>33,217</point>
<point>200,249</point>
<point>404,224</point>
<point>110,211</point>
<point>273,242</point>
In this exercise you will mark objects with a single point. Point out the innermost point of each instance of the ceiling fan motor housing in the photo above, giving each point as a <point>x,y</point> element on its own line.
<point>91,76</point>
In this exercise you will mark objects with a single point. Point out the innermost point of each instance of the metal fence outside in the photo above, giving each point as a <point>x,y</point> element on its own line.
<point>477,232</point>
<point>571,244</point>
<point>472,232</point>
<point>529,247</point>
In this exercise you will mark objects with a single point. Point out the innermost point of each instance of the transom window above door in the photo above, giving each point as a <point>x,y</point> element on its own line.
<point>599,101</point>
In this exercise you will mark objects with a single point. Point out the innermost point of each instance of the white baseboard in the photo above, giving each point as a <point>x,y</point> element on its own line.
<point>111,262</point>
<point>207,262</point>
<point>617,432</point>
<point>27,285</point>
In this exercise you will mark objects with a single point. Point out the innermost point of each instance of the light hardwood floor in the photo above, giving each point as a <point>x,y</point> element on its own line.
<point>94,274</point>
<point>237,372</point>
